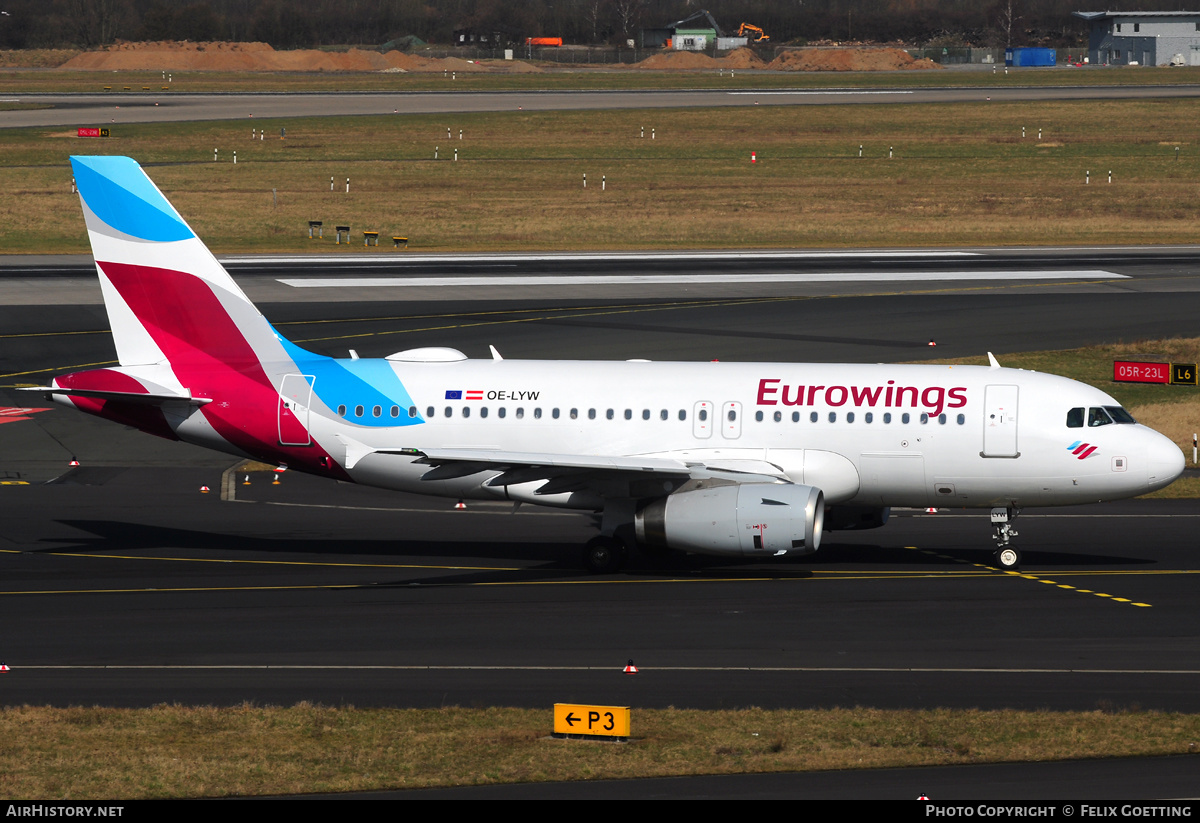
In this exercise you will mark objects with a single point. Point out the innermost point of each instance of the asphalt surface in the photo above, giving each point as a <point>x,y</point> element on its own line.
<point>160,107</point>
<point>313,590</point>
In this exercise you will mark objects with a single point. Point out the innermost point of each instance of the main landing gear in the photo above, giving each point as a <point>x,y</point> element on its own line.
<point>605,555</point>
<point>1008,556</point>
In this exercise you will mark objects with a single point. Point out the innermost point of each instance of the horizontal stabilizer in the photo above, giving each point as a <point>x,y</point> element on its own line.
<point>121,396</point>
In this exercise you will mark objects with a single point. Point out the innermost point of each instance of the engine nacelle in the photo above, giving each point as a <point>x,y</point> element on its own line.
<point>746,520</point>
<point>855,518</point>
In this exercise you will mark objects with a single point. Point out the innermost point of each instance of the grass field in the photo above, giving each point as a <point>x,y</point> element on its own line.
<point>173,751</point>
<point>959,174</point>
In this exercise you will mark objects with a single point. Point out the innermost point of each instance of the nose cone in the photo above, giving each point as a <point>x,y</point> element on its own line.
<point>1164,463</point>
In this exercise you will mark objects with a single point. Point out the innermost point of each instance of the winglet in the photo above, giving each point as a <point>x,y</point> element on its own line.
<point>995,364</point>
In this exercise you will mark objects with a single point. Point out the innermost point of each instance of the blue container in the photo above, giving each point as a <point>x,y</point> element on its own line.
<point>1029,57</point>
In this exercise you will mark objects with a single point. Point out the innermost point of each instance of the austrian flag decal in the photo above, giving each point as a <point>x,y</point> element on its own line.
<point>1080,449</point>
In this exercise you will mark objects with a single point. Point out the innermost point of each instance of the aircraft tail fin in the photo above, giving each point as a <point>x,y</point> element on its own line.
<point>168,298</point>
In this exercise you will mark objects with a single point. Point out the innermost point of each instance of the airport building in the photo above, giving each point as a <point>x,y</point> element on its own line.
<point>1143,38</point>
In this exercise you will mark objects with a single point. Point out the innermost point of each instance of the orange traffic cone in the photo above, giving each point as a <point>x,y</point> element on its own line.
<point>630,668</point>
<point>460,505</point>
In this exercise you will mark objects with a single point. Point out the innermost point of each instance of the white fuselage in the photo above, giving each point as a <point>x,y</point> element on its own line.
<point>871,435</point>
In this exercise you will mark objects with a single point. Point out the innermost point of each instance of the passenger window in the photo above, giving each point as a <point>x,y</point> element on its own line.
<point>591,414</point>
<point>942,419</point>
<point>904,418</point>
<point>924,418</point>
<point>778,416</point>
<point>1098,417</point>
<point>849,417</point>
<point>703,415</point>
<point>887,417</point>
<point>483,412</point>
<point>501,412</point>
<point>377,411</point>
<point>609,414</point>
<point>683,414</point>
<point>795,417</point>
<point>664,414</point>
<point>449,412</point>
<point>358,411</point>
<point>412,411</point>
<point>868,417</point>
<point>812,417</point>
<point>645,414</point>
<point>1075,418</point>
<point>574,414</point>
<point>341,411</point>
<point>629,414</point>
<point>537,413</point>
<point>732,415</point>
<point>833,417</point>
<point>554,413</point>
<point>429,412</point>
<point>520,412</point>
<point>758,415</point>
<point>962,418</point>
<point>466,411</point>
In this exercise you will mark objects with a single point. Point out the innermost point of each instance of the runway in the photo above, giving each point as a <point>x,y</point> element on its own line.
<point>108,108</point>
<point>125,585</point>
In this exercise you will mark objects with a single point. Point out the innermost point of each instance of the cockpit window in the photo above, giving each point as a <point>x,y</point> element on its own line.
<point>1098,417</point>
<point>1119,414</point>
<point>1075,418</point>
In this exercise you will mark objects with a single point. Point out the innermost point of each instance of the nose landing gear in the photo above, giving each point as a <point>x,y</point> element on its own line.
<point>1008,556</point>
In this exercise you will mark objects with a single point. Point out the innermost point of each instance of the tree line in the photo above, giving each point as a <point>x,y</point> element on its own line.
<point>311,23</point>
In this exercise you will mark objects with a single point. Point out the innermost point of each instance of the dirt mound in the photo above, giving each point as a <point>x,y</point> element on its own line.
<point>886,59</point>
<point>172,56</point>
<point>742,59</point>
<point>679,60</point>
<point>36,58</point>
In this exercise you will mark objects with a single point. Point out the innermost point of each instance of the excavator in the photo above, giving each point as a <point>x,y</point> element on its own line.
<point>753,33</point>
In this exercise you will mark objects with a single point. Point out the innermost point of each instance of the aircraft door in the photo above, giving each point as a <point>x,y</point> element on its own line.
<point>702,419</point>
<point>1000,422</point>
<point>731,420</point>
<point>294,398</point>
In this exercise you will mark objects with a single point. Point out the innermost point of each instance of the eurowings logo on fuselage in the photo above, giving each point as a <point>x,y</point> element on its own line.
<point>1081,450</point>
<point>773,392</point>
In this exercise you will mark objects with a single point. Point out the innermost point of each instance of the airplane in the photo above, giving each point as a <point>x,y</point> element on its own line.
<point>748,460</point>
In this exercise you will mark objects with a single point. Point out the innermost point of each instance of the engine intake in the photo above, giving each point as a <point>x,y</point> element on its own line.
<point>747,520</point>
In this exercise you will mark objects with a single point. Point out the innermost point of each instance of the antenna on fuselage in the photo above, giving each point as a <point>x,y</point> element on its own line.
<point>995,364</point>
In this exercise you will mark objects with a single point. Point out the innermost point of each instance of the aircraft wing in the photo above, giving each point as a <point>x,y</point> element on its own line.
<point>578,471</point>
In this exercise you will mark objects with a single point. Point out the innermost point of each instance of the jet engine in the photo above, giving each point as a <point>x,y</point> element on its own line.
<point>746,520</point>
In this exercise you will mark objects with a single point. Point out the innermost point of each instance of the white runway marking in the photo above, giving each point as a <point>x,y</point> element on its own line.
<point>692,279</point>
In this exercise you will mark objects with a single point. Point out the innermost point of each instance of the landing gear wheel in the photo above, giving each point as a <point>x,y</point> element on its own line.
<point>1008,558</point>
<point>604,555</point>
